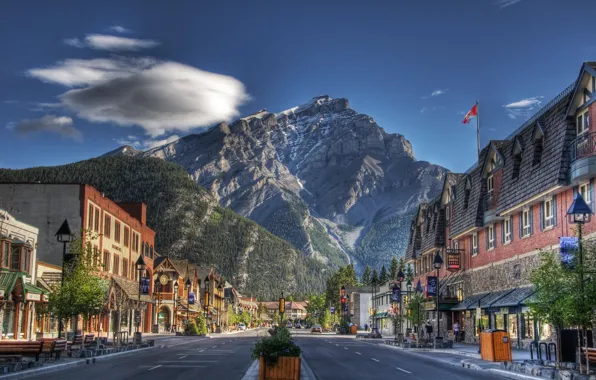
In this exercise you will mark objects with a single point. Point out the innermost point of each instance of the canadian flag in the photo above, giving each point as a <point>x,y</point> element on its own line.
<point>473,112</point>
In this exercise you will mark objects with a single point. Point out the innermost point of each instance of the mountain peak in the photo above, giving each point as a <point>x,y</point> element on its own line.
<point>124,150</point>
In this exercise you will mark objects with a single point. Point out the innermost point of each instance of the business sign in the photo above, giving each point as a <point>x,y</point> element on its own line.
<point>144,285</point>
<point>431,286</point>
<point>395,295</point>
<point>33,297</point>
<point>332,310</point>
<point>568,248</point>
<point>453,260</point>
<point>191,298</point>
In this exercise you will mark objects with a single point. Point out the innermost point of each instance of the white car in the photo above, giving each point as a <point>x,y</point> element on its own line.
<point>241,326</point>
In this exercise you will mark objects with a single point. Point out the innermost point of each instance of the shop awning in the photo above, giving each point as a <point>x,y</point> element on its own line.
<point>8,281</point>
<point>468,302</point>
<point>515,298</point>
<point>381,314</point>
<point>131,289</point>
<point>492,298</point>
<point>33,293</point>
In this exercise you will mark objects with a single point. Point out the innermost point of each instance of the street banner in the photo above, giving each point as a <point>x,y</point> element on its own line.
<point>395,295</point>
<point>431,286</point>
<point>144,285</point>
<point>568,248</point>
<point>453,260</point>
<point>191,298</point>
<point>332,310</point>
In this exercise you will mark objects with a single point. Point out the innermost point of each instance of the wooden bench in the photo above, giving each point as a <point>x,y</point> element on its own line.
<point>89,338</point>
<point>53,347</point>
<point>590,356</point>
<point>15,349</point>
<point>77,341</point>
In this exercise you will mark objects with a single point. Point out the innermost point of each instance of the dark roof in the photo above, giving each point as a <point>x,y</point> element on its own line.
<point>515,298</point>
<point>131,288</point>
<point>470,301</point>
<point>433,226</point>
<point>554,161</point>
<point>493,297</point>
<point>591,64</point>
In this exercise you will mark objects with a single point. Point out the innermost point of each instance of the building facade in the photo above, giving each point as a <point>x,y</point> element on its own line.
<point>499,215</point>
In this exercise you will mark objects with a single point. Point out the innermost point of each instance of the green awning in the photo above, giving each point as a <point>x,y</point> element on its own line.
<point>34,293</point>
<point>30,288</point>
<point>381,315</point>
<point>8,281</point>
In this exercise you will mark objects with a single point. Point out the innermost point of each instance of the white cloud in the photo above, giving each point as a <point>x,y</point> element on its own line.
<point>523,108</point>
<point>111,43</point>
<point>145,144</point>
<point>118,29</point>
<point>82,72</point>
<point>505,3</point>
<point>61,125</point>
<point>436,93</point>
<point>11,101</point>
<point>430,109</point>
<point>492,129</point>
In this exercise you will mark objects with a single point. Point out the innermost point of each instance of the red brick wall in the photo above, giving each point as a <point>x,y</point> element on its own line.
<point>592,112</point>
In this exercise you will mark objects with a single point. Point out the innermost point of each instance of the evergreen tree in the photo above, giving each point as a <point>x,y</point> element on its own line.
<point>375,277</point>
<point>384,276</point>
<point>394,269</point>
<point>366,276</point>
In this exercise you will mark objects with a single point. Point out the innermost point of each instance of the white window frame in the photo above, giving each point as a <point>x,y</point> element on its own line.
<point>455,244</point>
<point>584,190</point>
<point>475,244</point>
<point>526,223</point>
<point>491,236</point>
<point>489,186</point>
<point>548,213</point>
<point>582,126</point>
<point>507,230</point>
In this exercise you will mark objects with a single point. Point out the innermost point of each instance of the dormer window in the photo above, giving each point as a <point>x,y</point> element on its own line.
<point>538,144</point>
<point>583,123</point>
<point>489,186</point>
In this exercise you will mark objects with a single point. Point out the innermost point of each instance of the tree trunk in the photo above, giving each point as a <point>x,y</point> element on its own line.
<point>558,353</point>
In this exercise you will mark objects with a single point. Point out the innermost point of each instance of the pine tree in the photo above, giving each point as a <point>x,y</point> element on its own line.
<point>394,269</point>
<point>366,276</point>
<point>375,277</point>
<point>384,276</point>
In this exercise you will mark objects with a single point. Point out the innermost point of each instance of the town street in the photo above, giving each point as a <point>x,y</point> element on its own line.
<point>228,357</point>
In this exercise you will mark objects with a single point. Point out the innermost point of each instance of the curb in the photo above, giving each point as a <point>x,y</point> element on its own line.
<point>59,367</point>
<point>513,375</point>
<point>468,365</point>
<point>252,372</point>
<point>306,372</point>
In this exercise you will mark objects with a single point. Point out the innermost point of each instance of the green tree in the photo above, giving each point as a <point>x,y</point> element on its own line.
<point>384,276</point>
<point>344,276</point>
<point>83,292</point>
<point>316,305</point>
<point>416,311</point>
<point>366,276</point>
<point>409,273</point>
<point>375,277</point>
<point>394,269</point>
<point>324,318</point>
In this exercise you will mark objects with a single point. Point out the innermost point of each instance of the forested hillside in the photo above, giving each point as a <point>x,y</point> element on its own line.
<point>189,223</point>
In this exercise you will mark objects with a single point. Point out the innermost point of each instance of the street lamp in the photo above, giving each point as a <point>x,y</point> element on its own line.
<point>344,305</point>
<point>374,320</point>
<point>219,289</point>
<point>408,292</point>
<point>400,279</point>
<point>176,305</point>
<point>141,266</point>
<point>187,285</point>
<point>206,298</point>
<point>437,264</point>
<point>580,213</point>
<point>64,236</point>
<point>282,308</point>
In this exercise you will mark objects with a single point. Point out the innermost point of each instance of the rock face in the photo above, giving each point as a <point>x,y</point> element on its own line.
<point>321,175</point>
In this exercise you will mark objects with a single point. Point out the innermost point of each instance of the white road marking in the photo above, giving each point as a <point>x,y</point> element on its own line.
<point>182,357</point>
<point>358,353</point>
<point>403,370</point>
<point>374,359</point>
<point>337,344</point>
<point>152,368</point>
<point>202,350</point>
<point>345,348</point>
<point>213,346</point>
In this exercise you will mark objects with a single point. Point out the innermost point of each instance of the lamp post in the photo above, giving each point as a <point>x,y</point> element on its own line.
<point>64,236</point>
<point>175,305</point>
<point>219,289</point>
<point>400,279</point>
<point>579,213</point>
<point>141,266</point>
<point>157,291</point>
<point>343,304</point>
<point>408,292</point>
<point>437,264</point>
<point>374,320</point>
<point>282,308</point>
<point>187,285</point>
<point>206,306</point>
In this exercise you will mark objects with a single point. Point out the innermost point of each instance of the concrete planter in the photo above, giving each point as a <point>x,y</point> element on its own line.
<point>285,368</point>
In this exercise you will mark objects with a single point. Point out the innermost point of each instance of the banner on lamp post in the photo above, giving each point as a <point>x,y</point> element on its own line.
<point>568,248</point>
<point>431,286</point>
<point>395,293</point>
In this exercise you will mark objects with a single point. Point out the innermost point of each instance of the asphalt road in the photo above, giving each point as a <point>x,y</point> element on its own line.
<point>181,358</point>
<point>351,359</point>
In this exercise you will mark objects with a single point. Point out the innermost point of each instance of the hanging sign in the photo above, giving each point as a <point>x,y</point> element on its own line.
<point>568,247</point>
<point>453,260</point>
<point>191,298</point>
<point>395,295</point>
<point>431,286</point>
<point>144,285</point>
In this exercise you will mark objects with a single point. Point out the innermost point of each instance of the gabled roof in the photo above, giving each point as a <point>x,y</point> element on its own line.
<point>433,227</point>
<point>496,147</point>
<point>587,71</point>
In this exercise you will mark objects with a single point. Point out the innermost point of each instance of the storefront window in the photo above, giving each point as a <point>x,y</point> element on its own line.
<point>512,326</point>
<point>545,330</point>
<point>528,330</point>
<point>500,321</point>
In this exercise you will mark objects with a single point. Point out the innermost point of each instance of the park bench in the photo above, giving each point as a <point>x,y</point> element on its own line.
<point>590,356</point>
<point>14,350</point>
<point>54,347</point>
<point>77,341</point>
<point>89,339</point>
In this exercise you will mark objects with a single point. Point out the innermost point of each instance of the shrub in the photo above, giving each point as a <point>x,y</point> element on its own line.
<point>192,327</point>
<point>201,325</point>
<point>278,345</point>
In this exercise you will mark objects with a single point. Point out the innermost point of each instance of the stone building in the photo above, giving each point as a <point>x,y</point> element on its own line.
<point>498,215</point>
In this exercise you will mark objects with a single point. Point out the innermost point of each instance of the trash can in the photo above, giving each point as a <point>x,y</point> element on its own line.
<point>495,346</point>
<point>353,329</point>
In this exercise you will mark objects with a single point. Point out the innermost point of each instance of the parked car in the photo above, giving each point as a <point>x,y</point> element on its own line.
<point>316,329</point>
<point>241,326</point>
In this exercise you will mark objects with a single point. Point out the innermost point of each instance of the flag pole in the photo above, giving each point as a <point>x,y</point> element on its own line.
<point>478,127</point>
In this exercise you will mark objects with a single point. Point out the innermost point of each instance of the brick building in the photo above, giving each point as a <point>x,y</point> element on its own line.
<point>119,235</point>
<point>499,215</point>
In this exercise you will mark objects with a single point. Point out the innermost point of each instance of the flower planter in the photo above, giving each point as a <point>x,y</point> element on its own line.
<point>285,368</point>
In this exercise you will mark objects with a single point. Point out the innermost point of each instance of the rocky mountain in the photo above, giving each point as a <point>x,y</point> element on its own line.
<point>322,176</point>
<point>191,224</point>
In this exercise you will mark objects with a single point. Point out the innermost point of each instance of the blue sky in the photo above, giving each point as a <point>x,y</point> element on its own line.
<point>77,78</point>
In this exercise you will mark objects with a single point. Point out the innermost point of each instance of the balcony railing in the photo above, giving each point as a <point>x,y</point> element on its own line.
<point>491,200</point>
<point>583,146</point>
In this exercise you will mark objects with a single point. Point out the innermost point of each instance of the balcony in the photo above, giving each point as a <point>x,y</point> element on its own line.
<point>489,204</point>
<point>583,158</point>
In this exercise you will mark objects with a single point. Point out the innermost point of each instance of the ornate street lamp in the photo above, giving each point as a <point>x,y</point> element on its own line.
<point>219,289</point>
<point>282,308</point>
<point>437,264</point>
<point>400,278</point>
<point>188,285</point>
<point>579,213</point>
<point>64,236</point>
<point>409,294</point>
<point>176,305</point>
<point>206,297</point>
<point>141,266</point>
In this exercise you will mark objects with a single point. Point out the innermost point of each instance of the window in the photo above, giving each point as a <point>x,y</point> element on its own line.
<point>15,258</point>
<point>547,213</point>
<point>447,214</point>
<point>507,231</point>
<point>107,226</point>
<point>538,145</point>
<point>95,255</point>
<point>151,252</point>
<point>516,165</point>
<point>106,261</point>
<point>125,268</point>
<point>489,186</point>
<point>466,198</point>
<point>26,260</point>
<point>490,237</point>
<point>584,190</point>
<point>455,244</point>
<point>116,264</point>
<point>474,244</point>
<point>526,223</point>
<point>117,232</point>
<point>126,235</point>
<point>583,123</point>
<point>460,292</point>
<point>96,226</point>
<point>90,218</point>
<point>5,254</point>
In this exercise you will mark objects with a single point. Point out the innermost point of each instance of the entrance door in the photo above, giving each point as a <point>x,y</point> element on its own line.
<point>163,318</point>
